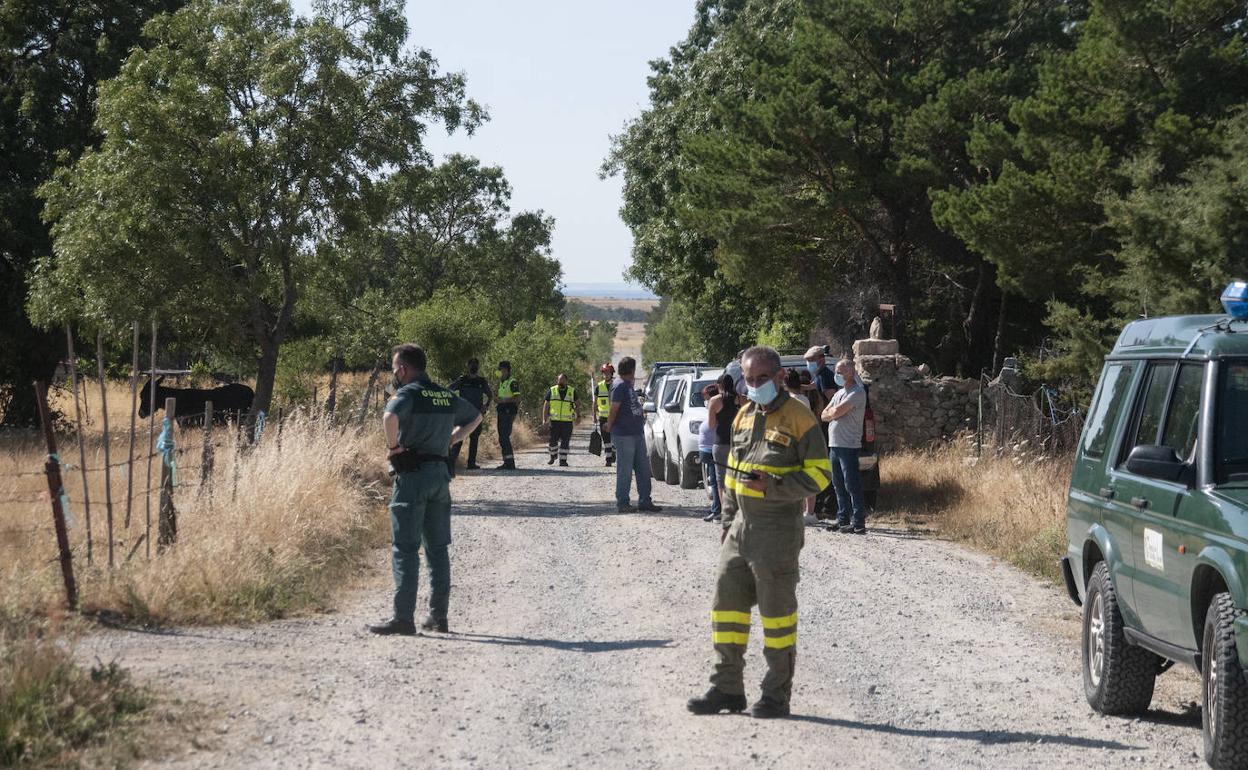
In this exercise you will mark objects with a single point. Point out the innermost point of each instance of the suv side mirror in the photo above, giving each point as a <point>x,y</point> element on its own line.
<point>672,407</point>
<point>1155,462</point>
<point>648,407</point>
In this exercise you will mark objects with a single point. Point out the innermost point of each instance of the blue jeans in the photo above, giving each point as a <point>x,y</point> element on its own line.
<point>710,477</point>
<point>630,459</point>
<point>847,482</point>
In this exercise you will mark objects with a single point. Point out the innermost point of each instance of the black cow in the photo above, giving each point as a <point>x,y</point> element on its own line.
<point>228,401</point>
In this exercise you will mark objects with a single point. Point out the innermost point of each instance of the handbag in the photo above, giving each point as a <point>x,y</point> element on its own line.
<point>595,443</point>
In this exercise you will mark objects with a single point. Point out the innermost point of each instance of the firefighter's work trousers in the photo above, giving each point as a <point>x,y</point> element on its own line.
<point>560,439</point>
<point>608,449</point>
<point>420,512</point>
<point>506,416</point>
<point>757,565</point>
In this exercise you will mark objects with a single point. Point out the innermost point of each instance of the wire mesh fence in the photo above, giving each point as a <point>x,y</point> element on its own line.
<point>1042,423</point>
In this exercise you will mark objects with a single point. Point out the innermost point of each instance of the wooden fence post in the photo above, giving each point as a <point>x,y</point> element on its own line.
<point>151,444</point>
<point>331,402</point>
<point>167,527</point>
<point>82,447</point>
<point>108,471</point>
<point>207,460</point>
<point>56,490</point>
<point>368,391</point>
<point>134,408</point>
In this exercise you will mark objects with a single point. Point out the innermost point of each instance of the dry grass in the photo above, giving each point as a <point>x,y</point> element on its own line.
<point>270,531</point>
<point>1014,508</point>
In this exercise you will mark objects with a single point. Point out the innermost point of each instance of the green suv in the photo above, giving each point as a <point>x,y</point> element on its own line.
<point>1157,522</point>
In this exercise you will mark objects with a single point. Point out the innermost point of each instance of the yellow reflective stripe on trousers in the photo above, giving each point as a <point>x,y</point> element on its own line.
<point>781,622</point>
<point>780,642</point>
<point>740,488</point>
<point>730,616</point>
<point>730,637</point>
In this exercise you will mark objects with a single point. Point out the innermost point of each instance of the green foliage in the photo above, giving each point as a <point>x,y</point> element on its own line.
<point>301,363</point>
<point>600,344</point>
<point>539,350</point>
<point>781,335</point>
<point>49,706</point>
<point>240,146</point>
<point>582,311</point>
<point>54,53</point>
<point>671,335</point>
<point>452,327</point>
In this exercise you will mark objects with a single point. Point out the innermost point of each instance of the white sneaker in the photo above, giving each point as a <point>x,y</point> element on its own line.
<point>810,520</point>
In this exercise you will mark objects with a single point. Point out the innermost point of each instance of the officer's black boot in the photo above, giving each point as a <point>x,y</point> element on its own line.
<point>431,623</point>
<point>769,708</point>
<point>716,701</point>
<point>394,627</point>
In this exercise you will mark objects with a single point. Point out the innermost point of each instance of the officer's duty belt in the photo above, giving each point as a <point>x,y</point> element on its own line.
<point>408,460</point>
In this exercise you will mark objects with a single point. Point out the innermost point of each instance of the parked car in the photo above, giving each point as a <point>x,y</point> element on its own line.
<point>660,369</point>
<point>1157,521</point>
<point>680,416</point>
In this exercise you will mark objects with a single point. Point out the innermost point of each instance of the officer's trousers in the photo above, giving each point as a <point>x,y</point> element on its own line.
<point>420,512</point>
<point>757,565</point>
<point>505,418</point>
<point>608,449</point>
<point>560,439</point>
<point>473,438</point>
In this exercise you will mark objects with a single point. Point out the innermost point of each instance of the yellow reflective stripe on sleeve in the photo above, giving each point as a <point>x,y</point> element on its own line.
<point>730,637</point>
<point>780,642</point>
<point>730,616</point>
<point>822,463</point>
<point>782,622</point>
<point>746,467</point>
<point>740,488</point>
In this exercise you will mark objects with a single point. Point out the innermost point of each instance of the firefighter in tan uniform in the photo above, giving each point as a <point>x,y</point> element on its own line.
<point>778,458</point>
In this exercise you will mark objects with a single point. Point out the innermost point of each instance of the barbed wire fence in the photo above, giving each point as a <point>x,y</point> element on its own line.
<point>1042,423</point>
<point>187,464</point>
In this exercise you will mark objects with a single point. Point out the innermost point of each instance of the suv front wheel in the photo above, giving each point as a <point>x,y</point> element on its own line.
<point>1118,678</point>
<point>1224,715</point>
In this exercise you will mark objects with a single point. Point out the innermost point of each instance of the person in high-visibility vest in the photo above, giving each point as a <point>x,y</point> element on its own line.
<point>603,399</point>
<point>507,404</point>
<point>559,409</point>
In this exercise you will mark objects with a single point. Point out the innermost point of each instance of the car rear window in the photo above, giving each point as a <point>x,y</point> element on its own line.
<point>1150,410</point>
<point>1231,419</point>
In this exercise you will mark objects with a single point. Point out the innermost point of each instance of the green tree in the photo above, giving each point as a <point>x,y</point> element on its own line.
<point>539,350</point>
<point>451,328</point>
<point>239,148</point>
<point>53,53</point>
<point>672,336</point>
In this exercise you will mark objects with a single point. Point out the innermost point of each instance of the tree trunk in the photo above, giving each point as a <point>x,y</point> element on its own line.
<point>1000,339</point>
<point>266,374</point>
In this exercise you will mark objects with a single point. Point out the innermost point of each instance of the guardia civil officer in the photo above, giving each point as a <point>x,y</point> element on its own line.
<point>420,422</point>
<point>508,404</point>
<point>778,457</point>
<point>476,391</point>
<point>559,408</point>
<point>602,392</point>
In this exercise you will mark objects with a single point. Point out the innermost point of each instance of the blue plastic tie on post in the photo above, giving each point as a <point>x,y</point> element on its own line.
<point>70,521</point>
<point>255,439</point>
<point>164,445</point>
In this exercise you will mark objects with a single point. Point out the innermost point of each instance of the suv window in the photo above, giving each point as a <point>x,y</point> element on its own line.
<point>1105,407</point>
<point>1232,441</point>
<point>1184,416</point>
<point>695,397</point>
<point>669,390</point>
<point>1147,421</point>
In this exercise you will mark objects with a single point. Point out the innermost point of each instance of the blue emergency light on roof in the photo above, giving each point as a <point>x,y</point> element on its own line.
<point>1235,299</point>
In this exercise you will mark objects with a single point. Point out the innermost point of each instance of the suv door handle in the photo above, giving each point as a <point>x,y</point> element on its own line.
<point>1139,502</point>
<point>1107,493</point>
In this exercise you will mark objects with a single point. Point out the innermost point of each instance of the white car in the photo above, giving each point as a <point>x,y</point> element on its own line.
<point>679,415</point>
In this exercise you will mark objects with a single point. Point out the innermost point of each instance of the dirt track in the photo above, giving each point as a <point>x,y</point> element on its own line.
<point>579,633</point>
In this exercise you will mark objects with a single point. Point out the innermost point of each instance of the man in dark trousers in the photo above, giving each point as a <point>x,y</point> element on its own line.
<point>473,388</point>
<point>560,410</point>
<point>508,405</point>
<point>420,422</point>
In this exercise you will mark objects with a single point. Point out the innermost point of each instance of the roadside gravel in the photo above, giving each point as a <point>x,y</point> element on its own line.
<point>578,633</point>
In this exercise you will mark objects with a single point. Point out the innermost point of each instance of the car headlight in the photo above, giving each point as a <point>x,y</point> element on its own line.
<point>695,426</point>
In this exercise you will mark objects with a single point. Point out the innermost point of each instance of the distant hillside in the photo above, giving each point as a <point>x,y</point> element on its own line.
<point>602,310</point>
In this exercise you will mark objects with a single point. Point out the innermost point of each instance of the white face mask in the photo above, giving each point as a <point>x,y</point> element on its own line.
<point>764,394</point>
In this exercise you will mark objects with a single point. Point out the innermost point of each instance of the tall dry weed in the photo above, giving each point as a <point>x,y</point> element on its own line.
<point>1013,507</point>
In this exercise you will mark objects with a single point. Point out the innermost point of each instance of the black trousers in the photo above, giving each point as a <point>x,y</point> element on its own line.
<point>505,418</point>
<point>560,439</point>
<point>473,439</point>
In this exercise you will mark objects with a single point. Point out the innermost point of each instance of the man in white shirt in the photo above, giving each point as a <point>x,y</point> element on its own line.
<point>844,415</point>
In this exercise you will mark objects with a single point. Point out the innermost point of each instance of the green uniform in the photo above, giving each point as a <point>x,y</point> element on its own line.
<point>758,561</point>
<point>420,505</point>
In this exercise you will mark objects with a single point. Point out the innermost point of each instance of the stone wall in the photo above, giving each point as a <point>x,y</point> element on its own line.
<point>912,408</point>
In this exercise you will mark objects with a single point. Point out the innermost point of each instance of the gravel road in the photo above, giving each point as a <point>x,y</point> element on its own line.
<point>578,633</point>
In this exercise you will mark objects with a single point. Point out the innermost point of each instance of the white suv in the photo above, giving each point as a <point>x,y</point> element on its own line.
<point>679,415</point>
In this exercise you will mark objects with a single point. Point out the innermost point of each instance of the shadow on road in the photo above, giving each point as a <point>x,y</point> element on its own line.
<point>559,510</point>
<point>559,644</point>
<point>987,737</point>
<point>1188,717</point>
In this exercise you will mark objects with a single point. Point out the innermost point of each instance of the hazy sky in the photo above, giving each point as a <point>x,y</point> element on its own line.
<point>559,77</point>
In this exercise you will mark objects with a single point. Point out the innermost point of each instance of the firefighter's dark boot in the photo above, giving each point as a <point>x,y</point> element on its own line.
<point>716,701</point>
